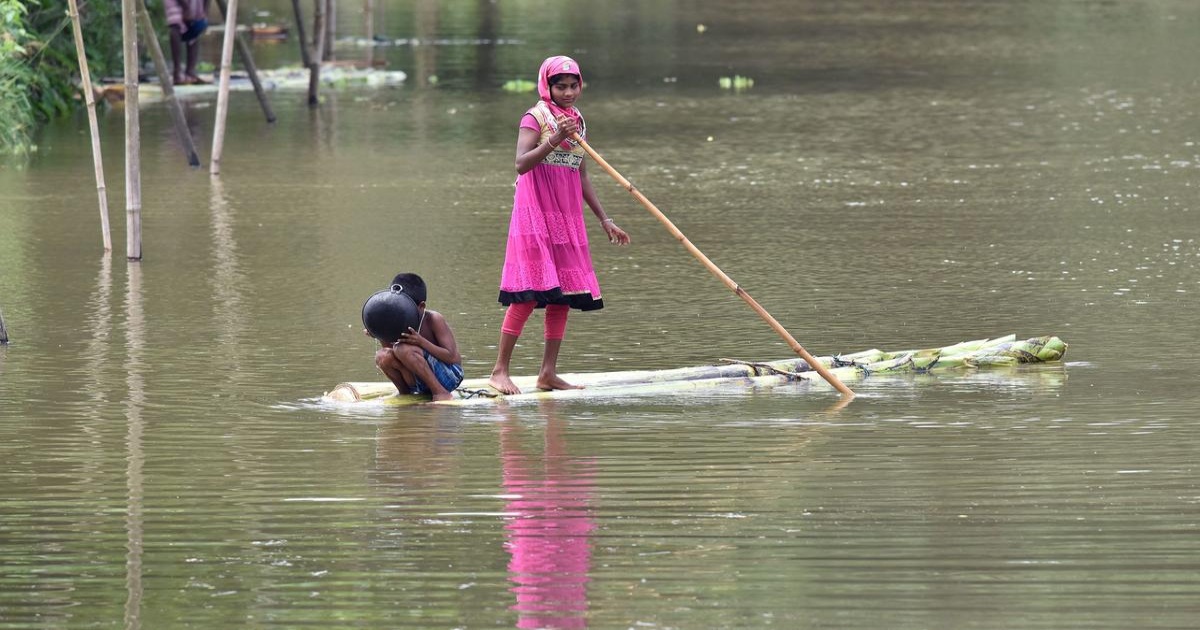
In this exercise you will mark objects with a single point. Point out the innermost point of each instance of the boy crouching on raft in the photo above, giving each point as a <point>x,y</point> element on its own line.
<point>425,360</point>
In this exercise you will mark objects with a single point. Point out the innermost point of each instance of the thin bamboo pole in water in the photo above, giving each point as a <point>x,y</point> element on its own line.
<point>3,330</point>
<point>251,68</point>
<point>218,144</point>
<point>97,159</point>
<point>133,134</point>
<point>369,27</point>
<point>168,86</point>
<point>301,36</point>
<point>318,52</point>
<point>330,27</point>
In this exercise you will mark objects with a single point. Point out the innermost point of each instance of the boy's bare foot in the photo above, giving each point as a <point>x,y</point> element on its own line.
<point>555,382</point>
<point>445,396</point>
<point>502,383</point>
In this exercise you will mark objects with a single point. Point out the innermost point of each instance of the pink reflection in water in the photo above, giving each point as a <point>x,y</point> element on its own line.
<point>548,539</point>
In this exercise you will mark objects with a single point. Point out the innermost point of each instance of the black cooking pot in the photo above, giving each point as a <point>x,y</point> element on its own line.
<point>389,313</point>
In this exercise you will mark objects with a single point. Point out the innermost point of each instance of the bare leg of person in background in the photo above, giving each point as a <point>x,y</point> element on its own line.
<point>177,53</point>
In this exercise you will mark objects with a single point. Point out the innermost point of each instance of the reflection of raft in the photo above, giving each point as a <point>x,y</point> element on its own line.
<point>333,75</point>
<point>982,353</point>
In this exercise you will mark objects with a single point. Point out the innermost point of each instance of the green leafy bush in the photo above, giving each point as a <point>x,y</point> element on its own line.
<point>38,63</point>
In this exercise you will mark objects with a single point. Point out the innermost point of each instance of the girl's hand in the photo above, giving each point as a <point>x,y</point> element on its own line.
<point>615,234</point>
<point>566,127</point>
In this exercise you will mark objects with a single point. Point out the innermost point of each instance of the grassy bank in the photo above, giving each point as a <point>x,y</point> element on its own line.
<point>38,68</point>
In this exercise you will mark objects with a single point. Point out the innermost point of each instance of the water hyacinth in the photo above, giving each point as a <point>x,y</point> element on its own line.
<point>519,85</point>
<point>736,83</point>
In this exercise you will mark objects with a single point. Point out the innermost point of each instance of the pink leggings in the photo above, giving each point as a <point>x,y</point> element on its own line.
<point>518,313</point>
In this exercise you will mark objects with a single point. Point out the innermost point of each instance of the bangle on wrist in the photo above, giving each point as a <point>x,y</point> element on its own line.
<point>608,221</point>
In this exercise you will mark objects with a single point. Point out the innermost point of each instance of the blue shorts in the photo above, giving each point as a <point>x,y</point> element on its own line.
<point>195,29</point>
<point>448,375</point>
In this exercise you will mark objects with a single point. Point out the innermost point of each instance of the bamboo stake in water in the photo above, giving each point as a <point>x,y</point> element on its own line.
<point>3,331</point>
<point>133,134</point>
<point>97,158</point>
<point>301,37</point>
<point>218,144</point>
<point>318,52</point>
<point>251,69</point>
<point>168,87</point>
<point>330,27</point>
<point>716,271</point>
<point>369,27</point>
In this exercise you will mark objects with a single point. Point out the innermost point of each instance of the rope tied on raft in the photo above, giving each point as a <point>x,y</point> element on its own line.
<point>468,394</point>
<point>761,369</point>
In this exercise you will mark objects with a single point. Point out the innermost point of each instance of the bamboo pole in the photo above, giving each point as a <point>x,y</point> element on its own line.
<point>97,159</point>
<point>133,134</point>
<point>301,37</point>
<point>3,330</point>
<point>318,34</point>
<point>330,28</point>
<point>318,53</point>
<point>251,68</point>
<point>716,271</point>
<point>218,144</point>
<point>168,86</point>
<point>369,27</point>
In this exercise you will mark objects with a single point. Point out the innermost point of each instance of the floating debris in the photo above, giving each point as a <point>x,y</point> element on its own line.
<point>519,85</point>
<point>736,83</point>
<point>264,30</point>
<point>290,78</point>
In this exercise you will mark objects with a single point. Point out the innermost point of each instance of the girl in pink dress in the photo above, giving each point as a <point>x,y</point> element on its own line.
<point>547,263</point>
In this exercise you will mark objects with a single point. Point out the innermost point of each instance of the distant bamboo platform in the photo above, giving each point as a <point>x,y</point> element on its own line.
<point>333,76</point>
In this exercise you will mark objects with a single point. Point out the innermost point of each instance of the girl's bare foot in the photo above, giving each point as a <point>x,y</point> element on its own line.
<point>555,382</point>
<point>502,383</point>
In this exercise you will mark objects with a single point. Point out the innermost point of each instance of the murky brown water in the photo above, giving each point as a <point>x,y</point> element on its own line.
<point>901,174</point>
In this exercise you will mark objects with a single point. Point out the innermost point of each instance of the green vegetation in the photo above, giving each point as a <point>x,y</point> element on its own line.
<point>736,83</point>
<point>38,67</point>
<point>519,85</point>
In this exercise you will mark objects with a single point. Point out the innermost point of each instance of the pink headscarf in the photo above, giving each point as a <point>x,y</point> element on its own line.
<point>557,65</point>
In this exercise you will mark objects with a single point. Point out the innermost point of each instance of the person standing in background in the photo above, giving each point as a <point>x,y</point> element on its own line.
<point>187,20</point>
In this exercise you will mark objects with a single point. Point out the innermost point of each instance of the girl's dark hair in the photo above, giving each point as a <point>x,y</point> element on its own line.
<point>555,78</point>
<point>413,285</point>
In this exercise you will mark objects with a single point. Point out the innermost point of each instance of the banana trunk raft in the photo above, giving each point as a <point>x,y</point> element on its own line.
<point>978,354</point>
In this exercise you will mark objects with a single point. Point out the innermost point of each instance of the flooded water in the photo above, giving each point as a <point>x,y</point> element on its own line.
<point>901,174</point>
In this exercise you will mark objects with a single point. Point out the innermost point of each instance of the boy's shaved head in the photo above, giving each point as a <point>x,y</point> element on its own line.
<point>413,285</point>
